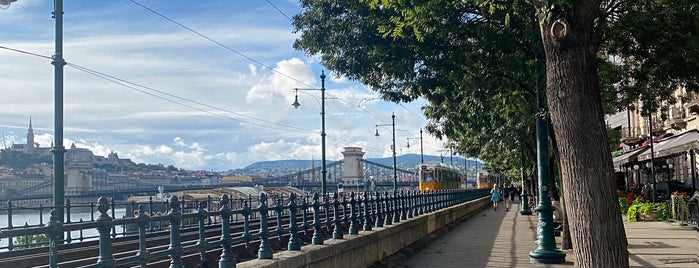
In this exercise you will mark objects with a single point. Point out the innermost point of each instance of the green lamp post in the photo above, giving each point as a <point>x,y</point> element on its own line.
<point>525,197</point>
<point>296,105</point>
<point>546,251</point>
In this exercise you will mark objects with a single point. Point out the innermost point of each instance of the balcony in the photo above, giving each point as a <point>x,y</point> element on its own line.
<point>692,104</point>
<point>677,118</point>
<point>658,128</point>
<point>631,136</point>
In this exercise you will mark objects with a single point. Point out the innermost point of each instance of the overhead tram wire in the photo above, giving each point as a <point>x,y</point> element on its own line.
<point>280,11</point>
<point>134,86</point>
<point>229,48</point>
<point>218,43</point>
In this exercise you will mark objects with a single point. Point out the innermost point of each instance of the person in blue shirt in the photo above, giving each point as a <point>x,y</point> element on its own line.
<point>495,196</point>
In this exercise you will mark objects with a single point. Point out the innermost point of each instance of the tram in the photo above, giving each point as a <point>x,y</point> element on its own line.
<point>438,177</point>
<point>485,181</point>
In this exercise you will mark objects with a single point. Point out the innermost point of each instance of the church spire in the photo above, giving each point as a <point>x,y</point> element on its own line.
<point>30,138</point>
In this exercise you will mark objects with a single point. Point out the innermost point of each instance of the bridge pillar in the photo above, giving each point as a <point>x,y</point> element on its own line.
<point>353,172</point>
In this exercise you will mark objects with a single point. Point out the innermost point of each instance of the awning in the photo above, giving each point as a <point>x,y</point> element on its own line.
<point>673,145</point>
<point>628,157</point>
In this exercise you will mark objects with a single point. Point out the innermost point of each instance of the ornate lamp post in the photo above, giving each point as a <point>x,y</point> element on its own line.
<point>651,164</point>
<point>296,105</point>
<point>546,252</point>
<point>525,197</point>
<point>395,172</point>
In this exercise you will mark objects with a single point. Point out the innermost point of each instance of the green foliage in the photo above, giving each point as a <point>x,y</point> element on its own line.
<point>622,205</point>
<point>663,211</point>
<point>20,160</point>
<point>31,241</point>
<point>632,213</point>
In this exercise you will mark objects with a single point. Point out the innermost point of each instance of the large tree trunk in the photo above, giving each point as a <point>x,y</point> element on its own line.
<point>573,96</point>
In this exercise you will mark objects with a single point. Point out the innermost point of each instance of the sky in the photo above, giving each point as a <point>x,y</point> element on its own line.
<point>201,85</point>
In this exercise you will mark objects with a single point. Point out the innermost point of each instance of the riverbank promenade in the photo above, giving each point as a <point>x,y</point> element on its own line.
<point>504,239</point>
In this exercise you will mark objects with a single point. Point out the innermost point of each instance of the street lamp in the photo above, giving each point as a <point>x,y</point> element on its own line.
<point>651,172</point>
<point>296,105</point>
<point>670,165</point>
<point>58,150</point>
<point>638,175</point>
<point>395,173</point>
<point>422,157</point>
<point>5,4</point>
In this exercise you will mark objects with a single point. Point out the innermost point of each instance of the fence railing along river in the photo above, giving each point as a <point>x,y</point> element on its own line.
<point>285,221</point>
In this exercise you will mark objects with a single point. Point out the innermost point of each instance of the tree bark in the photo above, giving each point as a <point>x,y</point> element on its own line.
<point>574,100</point>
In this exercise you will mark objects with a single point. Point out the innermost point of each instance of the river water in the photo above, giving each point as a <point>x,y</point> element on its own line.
<point>34,219</point>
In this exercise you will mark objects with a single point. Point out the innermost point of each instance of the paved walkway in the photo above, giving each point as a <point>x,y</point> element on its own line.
<point>504,239</point>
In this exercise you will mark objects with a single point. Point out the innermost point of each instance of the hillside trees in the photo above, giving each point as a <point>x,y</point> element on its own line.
<point>479,62</point>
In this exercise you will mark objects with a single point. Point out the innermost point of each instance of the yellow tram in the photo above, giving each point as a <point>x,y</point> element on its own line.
<point>438,177</point>
<point>484,181</point>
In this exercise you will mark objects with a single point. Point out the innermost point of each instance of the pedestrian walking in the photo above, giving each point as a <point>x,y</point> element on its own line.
<point>495,196</point>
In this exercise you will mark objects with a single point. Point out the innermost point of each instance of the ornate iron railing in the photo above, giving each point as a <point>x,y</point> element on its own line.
<point>365,210</point>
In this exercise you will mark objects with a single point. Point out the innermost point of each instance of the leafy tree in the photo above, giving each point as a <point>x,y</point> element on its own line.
<point>20,160</point>
<point>479,63</point>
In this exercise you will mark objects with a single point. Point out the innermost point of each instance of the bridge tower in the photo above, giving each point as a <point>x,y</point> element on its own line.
<point>353,174</point>
<point>78,167</point>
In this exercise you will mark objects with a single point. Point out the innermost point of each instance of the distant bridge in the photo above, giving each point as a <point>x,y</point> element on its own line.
<point>377,175</point>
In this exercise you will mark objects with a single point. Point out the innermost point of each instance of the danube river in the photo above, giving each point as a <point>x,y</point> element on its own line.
<point>34,219</point>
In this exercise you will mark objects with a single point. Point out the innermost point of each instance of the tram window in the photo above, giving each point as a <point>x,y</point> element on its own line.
<point>428,176</point>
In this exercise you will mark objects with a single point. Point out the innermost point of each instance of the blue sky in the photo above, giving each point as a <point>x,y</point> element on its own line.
<point>191,102</point>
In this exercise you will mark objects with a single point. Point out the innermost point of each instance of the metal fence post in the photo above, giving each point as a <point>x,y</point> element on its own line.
<point>317,236</point>
<point>54,232</point>
<point>104,224</point>
<point>353,217</point>
<point>379,206</point>
<point>227,259</point>
<point>246,223</point>
<point>202,215</point>
<point>337,233</point>
<point>293,241</point>
<point>142,220</point>
<point>367,215</point>
<point>387,215</point>
<point>265,251</point>
<point>175,248</point>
